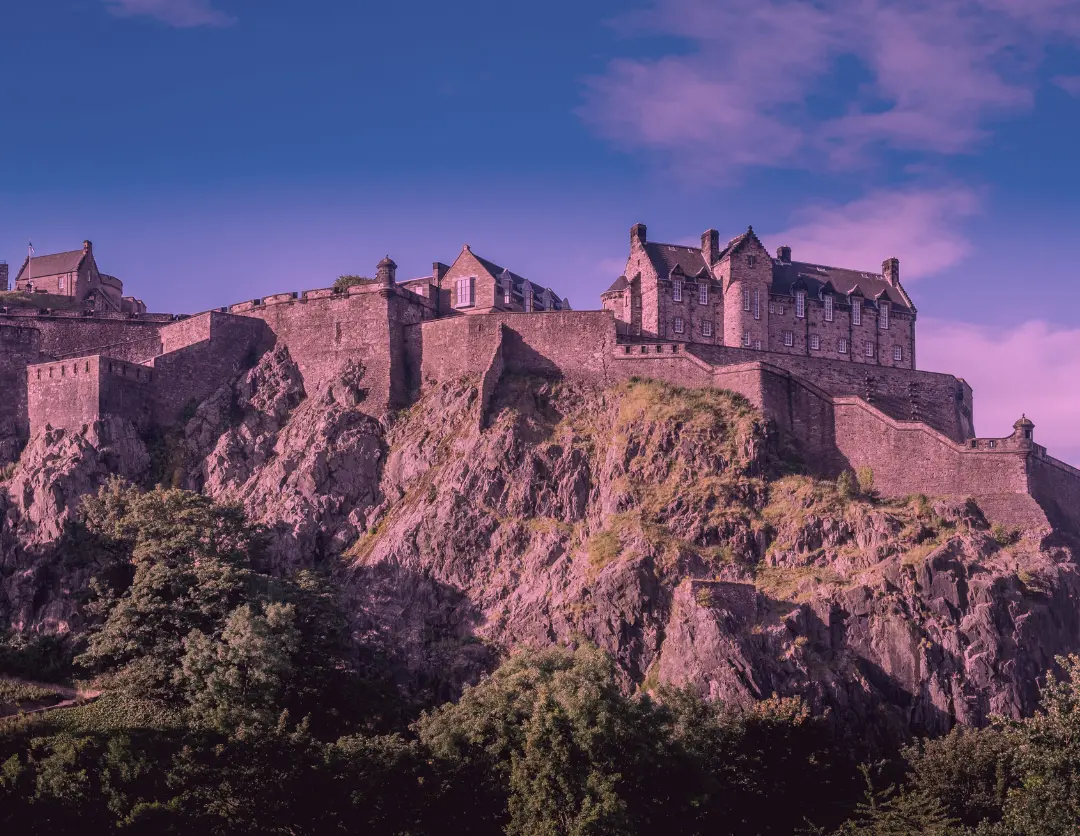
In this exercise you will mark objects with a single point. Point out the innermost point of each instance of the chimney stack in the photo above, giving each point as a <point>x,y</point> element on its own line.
<point>890,271</point>
<point>438,270</point>
<point>386,272</point>
<point>87,247</point>
<point>710,246</point>
<point>637,235</point>
<point>784,254</point>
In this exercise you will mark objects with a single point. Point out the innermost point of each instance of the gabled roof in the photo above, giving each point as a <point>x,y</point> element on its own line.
<point>519,282</point>
<point>665,257</point>
<point>52,265</point>
<point>816,276</point>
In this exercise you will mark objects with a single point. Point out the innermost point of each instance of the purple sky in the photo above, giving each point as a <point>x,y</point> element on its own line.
<point>217,150</point>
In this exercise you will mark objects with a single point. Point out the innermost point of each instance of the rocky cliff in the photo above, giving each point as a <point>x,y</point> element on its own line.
<point>672,528</point>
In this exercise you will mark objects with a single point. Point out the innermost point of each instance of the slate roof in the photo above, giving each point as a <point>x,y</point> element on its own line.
<point>517,281</point>
<point>619,284</point>
<point>843,282</point>
<point>664,257</point>
<point>51,265</point>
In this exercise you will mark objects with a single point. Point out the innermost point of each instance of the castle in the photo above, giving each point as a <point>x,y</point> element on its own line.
<point>827,354</point>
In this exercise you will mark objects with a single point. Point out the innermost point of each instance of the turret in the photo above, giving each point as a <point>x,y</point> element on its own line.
<point>386,272</point>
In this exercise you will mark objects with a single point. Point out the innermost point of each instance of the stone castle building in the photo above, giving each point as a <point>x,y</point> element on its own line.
<point>75,275</point>
<point>739,295</point>
<point>827,354</point>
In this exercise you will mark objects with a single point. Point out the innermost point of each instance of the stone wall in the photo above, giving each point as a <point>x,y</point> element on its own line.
<point>65,333</point>
<point>1056,487</point>
<point>64,394</point>
<point>18,348</point>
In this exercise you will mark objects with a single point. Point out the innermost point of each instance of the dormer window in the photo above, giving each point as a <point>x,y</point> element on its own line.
<point>828,309</point>
<point>676,290</point>
<point>800,304</point>
<point>528,300</point>
<point>856,312</point>
<point>703,293</point>
<point>465,292</point>
<point>883,316</point>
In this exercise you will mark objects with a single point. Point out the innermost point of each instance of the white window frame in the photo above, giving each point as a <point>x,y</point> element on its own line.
<point>757,303</point>
<point>746,299</point>
<point>883,316</point>
<point>841,345</point>
<point>789,338</point>
<point>676,290</point>
<point>757,345</point>
<point>465,291</point>
<point>869,348</point>
<point>829,314</point>
<point>746,339</point>
<point>856,312</point>
<point>706,328</point>
<point>781,310</point>
<point>60,282</point>
<point>898,353</point>
<point>815,342</point>
<point>680,326</point>
<point>703,294</point>
<point>772,308</point>
<point>527,301</point>
<point>800,304</point>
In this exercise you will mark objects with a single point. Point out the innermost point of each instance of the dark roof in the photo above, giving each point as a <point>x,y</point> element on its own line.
<point>665,257</point>
<point>619,284</point>
<point>843,281</point>
<point>517,281</point>
<point>51,265</point>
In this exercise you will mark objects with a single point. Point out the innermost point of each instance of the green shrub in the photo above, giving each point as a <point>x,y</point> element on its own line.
<point>865,477</point>
<point>845,485</point>
<point>343,283</point>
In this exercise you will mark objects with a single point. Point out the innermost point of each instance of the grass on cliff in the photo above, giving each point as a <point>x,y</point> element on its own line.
<point>22,299</point>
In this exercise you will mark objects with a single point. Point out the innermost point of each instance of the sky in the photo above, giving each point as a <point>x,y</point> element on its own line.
<point>220,150</point>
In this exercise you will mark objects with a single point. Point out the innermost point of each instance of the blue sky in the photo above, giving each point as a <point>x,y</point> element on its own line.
<point>217,150</point>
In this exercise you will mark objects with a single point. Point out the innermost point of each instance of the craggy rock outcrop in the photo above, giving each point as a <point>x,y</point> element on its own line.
<point>39,586</point>
<point>670,527</point>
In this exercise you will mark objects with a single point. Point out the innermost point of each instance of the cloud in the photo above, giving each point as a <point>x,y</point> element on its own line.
<point>1069,83</point>
<point>180,13</point>
<point>919,226</point>
<point>794,83</point>
<point>1031,368</point>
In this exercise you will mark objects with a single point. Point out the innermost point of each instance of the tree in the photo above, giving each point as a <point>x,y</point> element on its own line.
<point>343,283</point>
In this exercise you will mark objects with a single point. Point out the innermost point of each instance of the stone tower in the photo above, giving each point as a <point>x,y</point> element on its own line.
<point>3,276</point>
<point>745,273</point>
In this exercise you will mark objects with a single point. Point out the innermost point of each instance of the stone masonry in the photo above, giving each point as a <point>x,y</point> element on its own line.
<point>730,317</point>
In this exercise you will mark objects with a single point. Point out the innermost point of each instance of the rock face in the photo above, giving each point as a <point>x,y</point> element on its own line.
<point>670,527</point>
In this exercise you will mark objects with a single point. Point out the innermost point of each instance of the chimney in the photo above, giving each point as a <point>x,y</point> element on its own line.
<point>784,254</point>
<point>87,247</point>
<point>890,271</point>
<point>710,246</point>
<point>386,272</point>
<point>637,235</point>
<point>438,270</point>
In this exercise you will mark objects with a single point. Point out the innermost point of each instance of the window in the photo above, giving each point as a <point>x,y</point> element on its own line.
<point>757,303</point>
<point>897,353</point>
<point>464,288</point>
<point>746,300</point>
<point>800,304</point>
<point>508,293</point>
<point>772,308</point>
<point>856,312</point>
<point>528,301</point>
<point>869,349</point>
<point>679,325</point>
<point>746,338</point>
<point>781,310</point>
<point>828,309</point>
<point>757,345</point>
<point>676,290</point>
<point>883,316</point>
<point>841,345</point>
<point>60,283</point>
<point>815,342</point>
<point>706,328</point>
<point>703,293</point>
<point>750,261</point>
<point>789,338</point>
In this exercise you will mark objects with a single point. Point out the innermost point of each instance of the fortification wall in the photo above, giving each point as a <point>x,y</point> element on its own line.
<point>940,400</point>
<point>18,348</point>
<point>323,331</point>
<point>63,394</point>
<point>126,389</point>
<point>66,334</point>
<point>1056,487</point>
<point>207,352</point>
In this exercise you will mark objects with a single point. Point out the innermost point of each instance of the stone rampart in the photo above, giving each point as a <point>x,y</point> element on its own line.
<point>67,334</point>
<point>18,348</point>
<point>71,393</point>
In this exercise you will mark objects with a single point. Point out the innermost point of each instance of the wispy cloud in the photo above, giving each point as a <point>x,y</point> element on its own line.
<point>1069,83</point>
<point>921,226</point>
<point>1031,368</point>
<point>180,13</point>
<point>757,82</point>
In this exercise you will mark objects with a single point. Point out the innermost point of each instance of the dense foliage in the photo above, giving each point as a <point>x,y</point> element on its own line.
<point>238,702</point>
